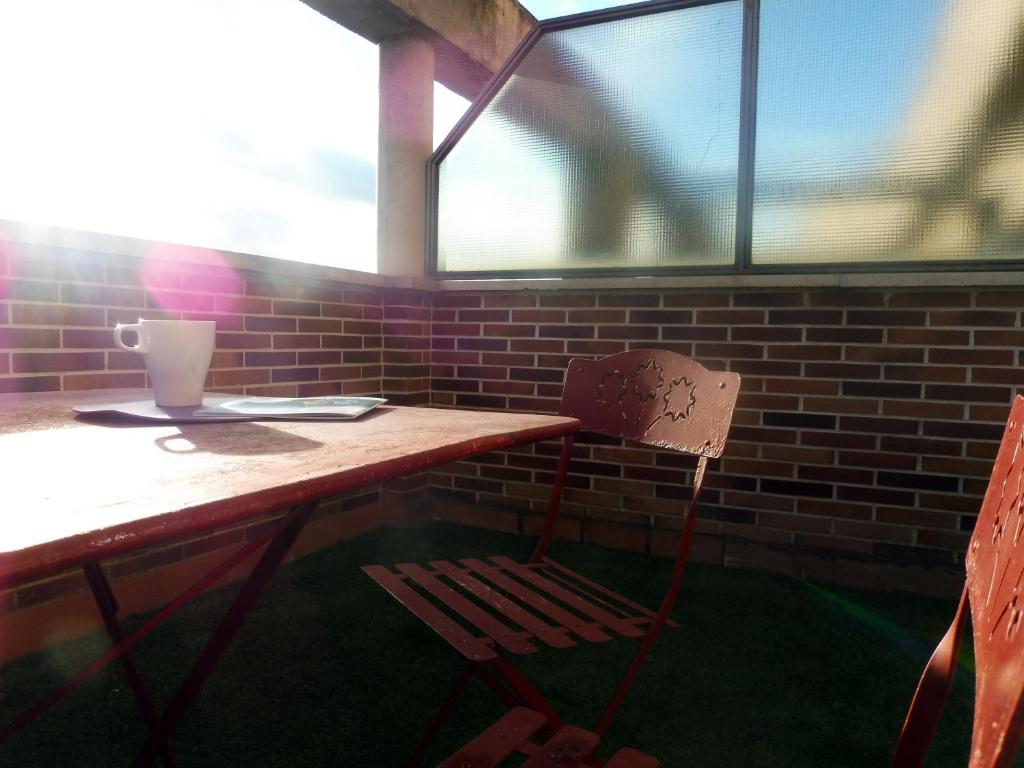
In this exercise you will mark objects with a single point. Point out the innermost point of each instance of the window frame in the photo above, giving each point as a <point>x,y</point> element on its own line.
<point>743,249</point>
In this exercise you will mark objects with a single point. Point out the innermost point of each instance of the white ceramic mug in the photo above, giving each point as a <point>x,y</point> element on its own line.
<point>177,353</point>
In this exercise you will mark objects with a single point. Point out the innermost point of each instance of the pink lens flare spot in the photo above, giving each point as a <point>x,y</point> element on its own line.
<point>188,279</point>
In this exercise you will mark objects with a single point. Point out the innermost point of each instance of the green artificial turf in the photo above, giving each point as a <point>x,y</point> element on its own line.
<point>330,670</point>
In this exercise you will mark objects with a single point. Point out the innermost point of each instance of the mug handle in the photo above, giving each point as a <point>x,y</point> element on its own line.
<point>121,328</point>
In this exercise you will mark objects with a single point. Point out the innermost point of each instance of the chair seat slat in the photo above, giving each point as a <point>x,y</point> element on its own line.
<point>624,627</point>
<point>605,591</point>
<point>569,747</point>
<point>586,630</point>
<point>514,642</point>
<point>556,637</point>
<point>473,648</point>
<point>499,741</point>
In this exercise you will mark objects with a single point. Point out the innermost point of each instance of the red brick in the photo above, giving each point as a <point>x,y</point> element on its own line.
<point>885,317</point>
<point>998,298</point>
<point>690,300</point>
<point>269,359</point>
<point>456,299</point>
<point>243,340</point>
<point>766,333</point>
<point>170,300</point>
<point>241,377</point>
<point>567,300</point>
<point>19,384</point>
<point>930,299</point>
<point>803,352</point>
<point>56,314</point>
<point>802,386</point>
<point>307,308</point>
<point>846,335</point>
<point>768,299</point>
<point>67,267</point>
<point>32,338</point>
<point>844,404</point>
<point>509,330</point>
<point>319,357</point>
<point>104,295</point>
<point>28,290</point>
<point>923,409</point>
<point>46,362</point>
<point>730,317</point>
<point>972,317</point>
<point>884,354</point>
<point>843,370</point>
<point>75,338</point>
<point>535,345</point>
<point>343,310</point>
<point>877,460</point>
<point>845,298</point>
<point>629,299</point>
<point>104,380</point>
<point>924,373</point>
<point>508,300</point>
<point>1008,375</point>
<point>696,333</point>
<point>967,393</point>
<point>928,336</point>
<point>1001,357</point>
<point>270,288</point>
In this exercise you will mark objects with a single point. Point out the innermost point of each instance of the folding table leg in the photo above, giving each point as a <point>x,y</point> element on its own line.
<point>226,631</point>
<point>107,604</point>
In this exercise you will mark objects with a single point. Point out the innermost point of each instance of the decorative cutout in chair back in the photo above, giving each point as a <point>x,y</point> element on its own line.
<point>995,582</point>
<point>654,397</point>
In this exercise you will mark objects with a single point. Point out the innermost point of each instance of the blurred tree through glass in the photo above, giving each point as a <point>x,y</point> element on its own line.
<point>889,132</point>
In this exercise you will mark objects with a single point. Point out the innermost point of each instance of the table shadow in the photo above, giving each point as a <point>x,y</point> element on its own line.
<point>240,438</point>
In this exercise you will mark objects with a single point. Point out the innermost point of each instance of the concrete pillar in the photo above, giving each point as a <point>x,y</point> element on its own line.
<point>406,142</point>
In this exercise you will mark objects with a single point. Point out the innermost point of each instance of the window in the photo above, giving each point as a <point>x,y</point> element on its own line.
<point>766,135</point>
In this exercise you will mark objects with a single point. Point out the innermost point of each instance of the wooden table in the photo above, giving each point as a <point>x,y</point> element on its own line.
<point>80,491</point>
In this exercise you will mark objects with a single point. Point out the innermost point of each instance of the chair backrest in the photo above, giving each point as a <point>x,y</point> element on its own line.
<point>994,595</point>
<point>653,396</point>
<point>995,587</point>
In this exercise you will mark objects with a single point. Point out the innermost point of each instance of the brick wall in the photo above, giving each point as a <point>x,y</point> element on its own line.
<point>860,448</point>
<point>861,444</point>
<point>277,334</point>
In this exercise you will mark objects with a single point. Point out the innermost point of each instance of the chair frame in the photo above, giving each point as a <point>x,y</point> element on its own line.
<point>992,596</point>
<point>654,397</point>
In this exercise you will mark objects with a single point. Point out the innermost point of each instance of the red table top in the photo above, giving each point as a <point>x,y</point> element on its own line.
<point>76,490</point>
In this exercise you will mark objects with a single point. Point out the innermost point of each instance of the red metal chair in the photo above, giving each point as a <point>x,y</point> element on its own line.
<point>994,595</point>
<point>488,609</point>
<point>568,748</point>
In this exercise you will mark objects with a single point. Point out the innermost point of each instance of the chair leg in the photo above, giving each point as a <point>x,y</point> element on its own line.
<point>442,714</point>
<point>527,691</point>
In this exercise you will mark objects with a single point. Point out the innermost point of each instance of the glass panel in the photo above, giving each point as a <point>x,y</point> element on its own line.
<point>242,125</point>
<point>613,145</point>
<point>889,130</point>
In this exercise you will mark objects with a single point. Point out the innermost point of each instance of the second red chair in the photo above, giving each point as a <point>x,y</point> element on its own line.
<point>488,609</point>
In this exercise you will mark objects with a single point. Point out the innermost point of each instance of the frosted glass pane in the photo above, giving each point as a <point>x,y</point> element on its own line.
<point>889,131</point>
<point>612,145</point>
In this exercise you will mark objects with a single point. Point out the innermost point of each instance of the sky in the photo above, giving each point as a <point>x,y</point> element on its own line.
<point>251,125</point>
<point>243,125</point>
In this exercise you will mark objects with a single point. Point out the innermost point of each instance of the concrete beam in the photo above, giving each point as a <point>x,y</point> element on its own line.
<point>471,38</point>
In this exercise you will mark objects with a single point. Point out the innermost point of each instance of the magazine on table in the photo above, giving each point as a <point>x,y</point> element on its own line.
<point>326,408</point>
